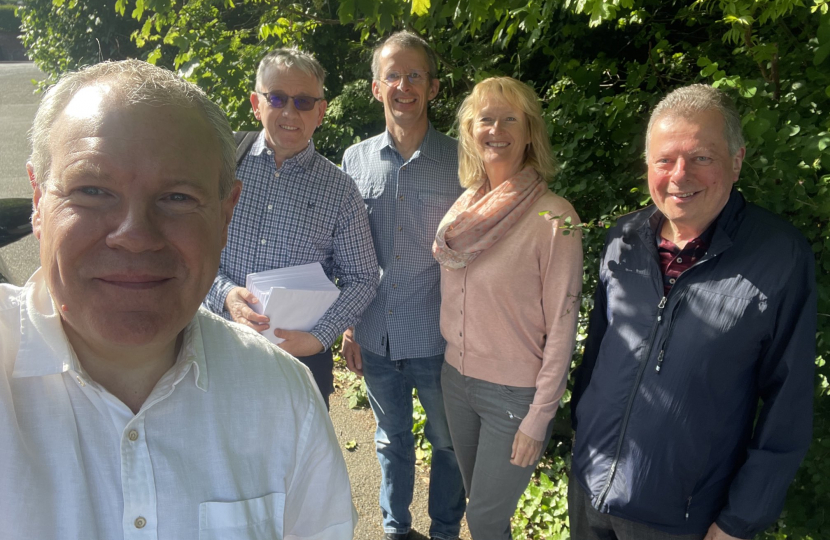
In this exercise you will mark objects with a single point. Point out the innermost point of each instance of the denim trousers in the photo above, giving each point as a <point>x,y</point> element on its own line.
<point>389,384</point>
<point>587,523</point>
<point>484,418</point>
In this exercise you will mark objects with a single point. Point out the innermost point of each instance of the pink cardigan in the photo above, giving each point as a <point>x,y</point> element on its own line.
<point>510,316</point>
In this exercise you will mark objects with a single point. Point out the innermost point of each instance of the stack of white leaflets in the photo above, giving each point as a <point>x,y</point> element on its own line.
<point>294,298</point>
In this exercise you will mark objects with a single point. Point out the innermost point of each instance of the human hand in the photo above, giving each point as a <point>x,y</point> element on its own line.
<point>526,450</point>
<point>237,303</point>
<point>298,343</point>
<point>350,350</point>
<point>715,533</point>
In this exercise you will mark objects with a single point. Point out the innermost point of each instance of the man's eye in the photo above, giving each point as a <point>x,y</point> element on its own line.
<point>179,197</point>
<point>703,159</point>
<point>414,76</point>
<point>91,191</point>
<point>393,76</point>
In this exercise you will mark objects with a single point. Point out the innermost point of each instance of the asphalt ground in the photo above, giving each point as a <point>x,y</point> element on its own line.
<point>18,104</point>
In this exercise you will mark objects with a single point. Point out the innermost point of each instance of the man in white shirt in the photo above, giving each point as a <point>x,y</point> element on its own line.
<point>124,412</point>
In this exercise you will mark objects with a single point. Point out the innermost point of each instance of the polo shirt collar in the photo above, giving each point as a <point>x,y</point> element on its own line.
<point>304,158</point>
<point>45,349</point>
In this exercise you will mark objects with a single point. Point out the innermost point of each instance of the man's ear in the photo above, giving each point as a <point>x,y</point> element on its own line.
<point>37,195</point>
<point>737,163</point>
<point>434,85</point>
<point>323,106</point>
<point>255,104</point>
<point>376,91</point>
<point>227,205</point>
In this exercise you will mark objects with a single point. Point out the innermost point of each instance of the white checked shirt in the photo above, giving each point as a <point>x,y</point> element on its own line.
<point>233,443</point>
<point>406,201</point>
<point>306,211</point>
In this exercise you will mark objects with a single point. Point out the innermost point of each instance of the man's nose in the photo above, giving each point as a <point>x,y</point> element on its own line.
<point>679,170</point>
<point>136,229</point>
<point>404,84</point>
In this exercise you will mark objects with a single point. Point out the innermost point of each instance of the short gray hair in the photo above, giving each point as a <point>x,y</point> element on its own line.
<point>405,40</point>
<point>687,101</point>
<point>137,82</point>
<point>290,58</point>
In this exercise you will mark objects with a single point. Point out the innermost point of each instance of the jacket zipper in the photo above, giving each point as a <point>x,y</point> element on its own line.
<point>688,505</point>
<point>660,307</point>
<point>664,344</point>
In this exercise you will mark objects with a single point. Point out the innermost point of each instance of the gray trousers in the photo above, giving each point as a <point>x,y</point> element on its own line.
<point>587,523</point>
<point>483,419</point>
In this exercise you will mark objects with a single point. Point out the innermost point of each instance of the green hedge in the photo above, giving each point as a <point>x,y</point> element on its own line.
<point>9,21</point>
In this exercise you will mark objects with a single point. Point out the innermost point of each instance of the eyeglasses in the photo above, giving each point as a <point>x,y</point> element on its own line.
<point>278,100</point>
<point>416,76</point>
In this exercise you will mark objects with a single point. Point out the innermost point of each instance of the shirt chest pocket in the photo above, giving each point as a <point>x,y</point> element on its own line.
<point>252,519</point>
<point>431,209</point>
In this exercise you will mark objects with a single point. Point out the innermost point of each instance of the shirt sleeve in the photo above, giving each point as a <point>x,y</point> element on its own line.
<point>318,501</point>
<point>783,431</point>
<point>215,299</point>
<point>561,269</point>
<point>355,266</point>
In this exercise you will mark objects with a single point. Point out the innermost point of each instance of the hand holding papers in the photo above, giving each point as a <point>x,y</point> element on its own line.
<point>294,298</point>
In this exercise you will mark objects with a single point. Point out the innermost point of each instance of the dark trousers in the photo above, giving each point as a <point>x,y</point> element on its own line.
<point>587,523</point>
<point>321,366</point>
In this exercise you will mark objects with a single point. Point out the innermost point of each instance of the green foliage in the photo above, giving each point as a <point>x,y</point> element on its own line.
<point>423,449</point>
<point>599,67</point>
<point>9,21</point>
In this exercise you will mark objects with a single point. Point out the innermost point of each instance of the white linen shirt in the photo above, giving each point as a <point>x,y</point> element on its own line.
<point>233,442</point>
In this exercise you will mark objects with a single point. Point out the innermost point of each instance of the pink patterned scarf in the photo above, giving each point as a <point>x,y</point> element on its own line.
<point>480,217</point>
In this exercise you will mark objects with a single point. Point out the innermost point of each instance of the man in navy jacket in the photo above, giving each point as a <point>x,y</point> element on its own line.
<point>705,307</point>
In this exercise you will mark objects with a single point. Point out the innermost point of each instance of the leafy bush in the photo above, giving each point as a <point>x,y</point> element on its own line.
<point>9,21</point>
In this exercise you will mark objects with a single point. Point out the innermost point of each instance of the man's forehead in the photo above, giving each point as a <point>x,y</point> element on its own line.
<point>88,102</point>
<point>394,52</point>
<point>276,75</point>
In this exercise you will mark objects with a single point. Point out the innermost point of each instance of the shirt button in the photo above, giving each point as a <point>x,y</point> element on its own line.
<point>462,312</point>
<point>390,312</point>
<point>462,289</point>
<point>680,259</point>
<point>133,435</point>
<point>672,280</point>
<point>277,174</point>
<point>394,285</point>
<point>80,380</point>
<point>401,197</point>
<point>398,257</point>
<point>461,354</point>
<point>140,522</point>
<point>400,228</point>
<point>270,207</point>
<point>262,241</point>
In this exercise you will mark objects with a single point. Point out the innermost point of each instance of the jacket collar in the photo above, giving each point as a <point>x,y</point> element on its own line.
<point>45,350</point>
<point>726,224</point>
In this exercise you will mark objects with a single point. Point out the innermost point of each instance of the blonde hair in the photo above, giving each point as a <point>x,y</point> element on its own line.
<point>516,93</point>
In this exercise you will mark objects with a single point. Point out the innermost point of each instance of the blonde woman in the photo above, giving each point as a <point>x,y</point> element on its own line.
<point>510,286</point>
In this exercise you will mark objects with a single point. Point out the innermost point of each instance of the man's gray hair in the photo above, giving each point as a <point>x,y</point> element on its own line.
<point>405,40</point>
<point>687,101</point>
<point>134,82</point>
<point>290,58</point>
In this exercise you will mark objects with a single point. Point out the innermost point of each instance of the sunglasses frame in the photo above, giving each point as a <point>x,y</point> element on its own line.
<point>286,98</point>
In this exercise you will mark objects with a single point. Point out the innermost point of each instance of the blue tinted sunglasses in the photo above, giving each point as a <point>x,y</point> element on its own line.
<point>278,100</point>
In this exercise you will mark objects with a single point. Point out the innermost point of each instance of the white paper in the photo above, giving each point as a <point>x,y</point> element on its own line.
<point>294,298</point>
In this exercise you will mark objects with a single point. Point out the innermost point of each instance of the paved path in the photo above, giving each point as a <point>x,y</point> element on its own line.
<point>18,104</point>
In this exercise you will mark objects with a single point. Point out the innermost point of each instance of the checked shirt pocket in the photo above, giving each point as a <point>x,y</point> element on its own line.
<point>432,208</point>
<point>251,519</point>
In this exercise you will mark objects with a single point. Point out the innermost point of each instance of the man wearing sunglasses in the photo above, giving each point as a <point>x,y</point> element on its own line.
<point>296,208</point>
<point>408,176</point>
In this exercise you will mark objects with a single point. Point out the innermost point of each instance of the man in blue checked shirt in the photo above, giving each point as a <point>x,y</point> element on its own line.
<point>296,208</point>
<point>408,176</point>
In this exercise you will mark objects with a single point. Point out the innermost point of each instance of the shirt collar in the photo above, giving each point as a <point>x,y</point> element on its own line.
<point>45,350</point>
<point>430,147</point>
<point>303,158</point>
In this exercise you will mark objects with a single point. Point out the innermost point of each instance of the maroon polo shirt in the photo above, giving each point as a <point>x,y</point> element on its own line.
<point>674,261</point>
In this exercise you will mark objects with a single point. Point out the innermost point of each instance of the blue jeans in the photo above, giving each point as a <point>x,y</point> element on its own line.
<point>390,393</point>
